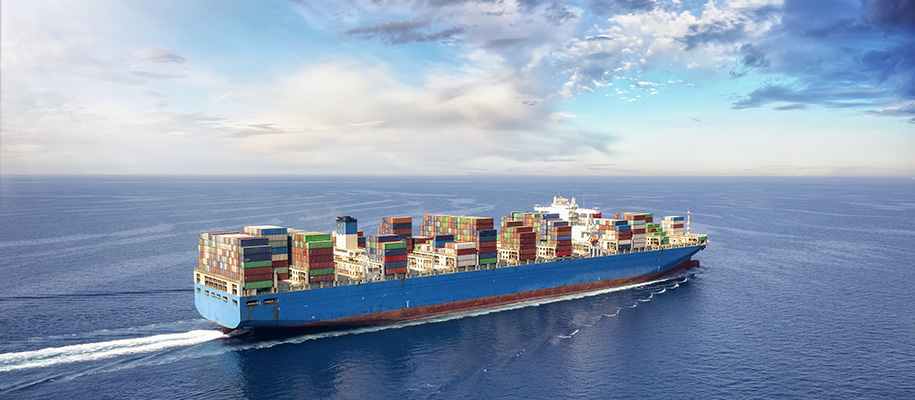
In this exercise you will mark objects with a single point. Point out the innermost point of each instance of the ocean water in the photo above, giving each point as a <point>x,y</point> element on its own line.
<point>806,291</point>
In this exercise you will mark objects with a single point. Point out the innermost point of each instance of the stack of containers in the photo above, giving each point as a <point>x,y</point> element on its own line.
<point>561,238</point>
<point>487,246</point>
<point>655,230</point>
<point>244,258</point>
<point>531,219</point>
<point>556,233</point>
<point>360,239</point>
<point>278,239</point>
<point>439,241</point>
<point>209,260</point>
<point>673,225</point>
<point>517,237</point>
<point>465,253</point>
<point>479,230</point>
<point>416,241</point>
<point>313,255</point>
<point>617,230</point>
<point>402,226</point>
<point>390,251</point>
<point>637,223</point>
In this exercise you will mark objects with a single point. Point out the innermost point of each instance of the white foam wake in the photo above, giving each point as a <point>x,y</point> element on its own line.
<point>96,351</point>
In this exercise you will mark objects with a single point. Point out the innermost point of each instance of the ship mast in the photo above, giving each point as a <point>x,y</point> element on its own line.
<point>687,222</point>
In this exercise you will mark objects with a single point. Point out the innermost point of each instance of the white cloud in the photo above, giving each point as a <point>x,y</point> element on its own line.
<point>637,42</point>
<point>447,124</point>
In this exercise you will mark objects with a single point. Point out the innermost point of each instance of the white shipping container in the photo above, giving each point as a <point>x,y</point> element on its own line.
<point>279,257</point>
<point>466,263</point>
<point>467,257</point>
<point>465,245</point>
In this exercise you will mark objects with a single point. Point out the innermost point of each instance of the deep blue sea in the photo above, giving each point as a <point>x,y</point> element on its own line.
<point>807,290</point>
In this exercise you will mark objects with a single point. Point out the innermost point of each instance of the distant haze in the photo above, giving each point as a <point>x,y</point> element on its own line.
<point>512,87</point>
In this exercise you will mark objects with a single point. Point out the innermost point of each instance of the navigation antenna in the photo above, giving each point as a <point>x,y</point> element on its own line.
<point>687,221</point>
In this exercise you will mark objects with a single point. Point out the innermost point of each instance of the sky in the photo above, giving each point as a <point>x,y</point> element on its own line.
<point>472,87</point>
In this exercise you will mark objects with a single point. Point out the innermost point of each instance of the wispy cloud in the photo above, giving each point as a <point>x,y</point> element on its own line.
<point>905,111</point>
<point>403,32</point>
<point>827,96</point>
<point>786,107</point>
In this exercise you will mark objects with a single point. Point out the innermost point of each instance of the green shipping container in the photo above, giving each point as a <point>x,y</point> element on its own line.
<point>278,243</point>
<point>319,244</point>
<point>316,237</point>
<point>258,285</point>
<point>320,271</point>
<point>492,260</point>
<point>281,270</point>
<point>256,264</point>
<point>393,245</point>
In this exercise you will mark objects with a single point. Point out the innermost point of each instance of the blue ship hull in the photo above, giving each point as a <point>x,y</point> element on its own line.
<point>427,296</point>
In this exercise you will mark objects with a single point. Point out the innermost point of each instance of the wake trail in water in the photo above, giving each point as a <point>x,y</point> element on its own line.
<point>101,350</point>
<point>161,348</point>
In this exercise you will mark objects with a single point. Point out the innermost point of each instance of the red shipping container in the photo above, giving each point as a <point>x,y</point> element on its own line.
<point>402,257</point>
<point>638,231</point>
<point>392,271</point>
<point>284,276</point>
<point>321,252</point>
<point>258,271</point>
<point>320,265</point>
<point>312,259</point>
<point>258,277</point>
<point>400,220</point>
<point>280,263</point>
<point>321,278</point>
<point>464,252</point>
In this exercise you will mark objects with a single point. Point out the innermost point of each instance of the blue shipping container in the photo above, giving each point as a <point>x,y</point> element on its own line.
<point>256,257</point>
<point>250,242</point>
<point>395,252</point>
<point>256,250</point>
<point>386,238</point>
<point>395,264</point>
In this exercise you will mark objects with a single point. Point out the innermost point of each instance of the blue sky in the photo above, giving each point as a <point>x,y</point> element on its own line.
<point>434,87</point>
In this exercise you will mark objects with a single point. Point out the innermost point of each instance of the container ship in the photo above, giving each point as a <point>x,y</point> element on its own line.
<point>268,276</point>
